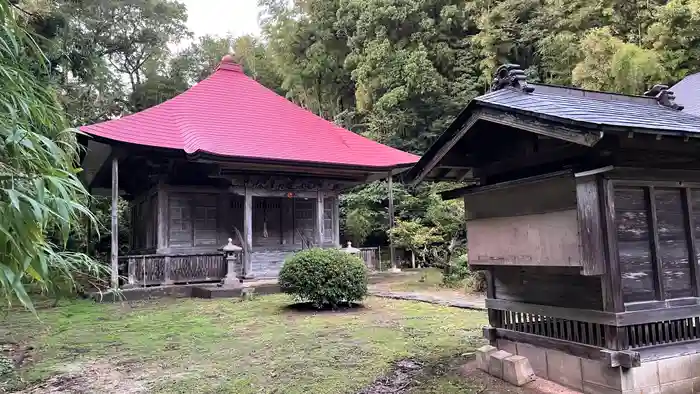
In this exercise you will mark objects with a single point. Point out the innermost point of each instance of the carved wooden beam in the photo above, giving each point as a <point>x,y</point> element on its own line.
<point>241,190</point>
<point>532,160</point>
<point>542,128</point>
<point>448,146</point>
<point>539,127</point>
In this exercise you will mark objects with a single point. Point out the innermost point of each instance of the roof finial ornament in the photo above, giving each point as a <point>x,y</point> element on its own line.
<point>228,62</point>
<point>664,96</point>
<point>510,75</point>
<point>228,58</point>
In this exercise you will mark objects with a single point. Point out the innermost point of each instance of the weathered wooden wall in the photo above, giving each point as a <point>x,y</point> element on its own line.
<point>304,219</point>
<point>547,239</point>
<point>547,286</point>
<point>195,221</point>
<point>653,242</point>
<point>201,219</point>
<point>526,223</point>
<point>144,222</point>
<point>525,197</point>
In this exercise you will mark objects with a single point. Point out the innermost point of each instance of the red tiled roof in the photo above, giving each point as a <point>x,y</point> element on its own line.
<point>231,115</point>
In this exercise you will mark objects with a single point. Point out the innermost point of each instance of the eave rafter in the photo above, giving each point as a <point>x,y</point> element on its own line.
<point>522,122</point>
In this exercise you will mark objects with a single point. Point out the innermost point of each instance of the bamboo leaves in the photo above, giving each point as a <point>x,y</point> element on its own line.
<point>41,197</point>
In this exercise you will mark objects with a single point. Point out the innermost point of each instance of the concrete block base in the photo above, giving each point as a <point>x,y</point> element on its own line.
<point>496,363</point>
<point>679,374</point>
<point>514,369</point>
<point>517,370</point>
<point>483,356</point>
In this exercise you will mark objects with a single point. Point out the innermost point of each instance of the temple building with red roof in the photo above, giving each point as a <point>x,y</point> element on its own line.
<point>227,157</point>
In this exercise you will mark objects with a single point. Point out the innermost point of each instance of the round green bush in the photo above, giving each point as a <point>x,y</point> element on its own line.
<point>324,277</point>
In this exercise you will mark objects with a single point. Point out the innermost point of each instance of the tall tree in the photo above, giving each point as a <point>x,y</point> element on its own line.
<point>412,63</point>
<point>675,35</point>
<point>100,52</point>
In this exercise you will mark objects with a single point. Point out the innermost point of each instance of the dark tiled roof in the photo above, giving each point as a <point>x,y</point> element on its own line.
<point>594,108</point>
<point>583,109</point>
<point>687,94</point>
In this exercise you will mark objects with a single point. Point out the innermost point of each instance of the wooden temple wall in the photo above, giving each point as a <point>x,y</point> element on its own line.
<point>189,222</point>
<point>144,222</point>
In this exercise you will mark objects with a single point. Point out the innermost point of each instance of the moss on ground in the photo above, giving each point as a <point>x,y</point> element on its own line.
<point>213,346</point>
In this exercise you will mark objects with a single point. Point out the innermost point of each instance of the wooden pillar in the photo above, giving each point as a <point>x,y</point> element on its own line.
<point>392,249</point>
<point>615,337</point>
<point>162,229</point>
<point>319,220</point>
<point>336,221</point>
<point>248,233</point>
<point>115,224</point>
<point>288,221</point>
<point>493,314</point>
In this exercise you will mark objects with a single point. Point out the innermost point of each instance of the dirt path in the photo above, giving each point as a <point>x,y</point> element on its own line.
<point>456,302</point>
<point>448,297</point>
<point>95,377</point>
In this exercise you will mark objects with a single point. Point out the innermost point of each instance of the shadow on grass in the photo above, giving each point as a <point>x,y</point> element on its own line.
<point>310,308</point>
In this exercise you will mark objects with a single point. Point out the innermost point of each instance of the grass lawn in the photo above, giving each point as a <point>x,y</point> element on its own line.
<point>430,285</point>
<point>432,282</point>
<point>258,346</point>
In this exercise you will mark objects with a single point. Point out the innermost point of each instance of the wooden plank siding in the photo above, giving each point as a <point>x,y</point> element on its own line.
<point>634,244</point>
<point>535,285</point>
<point>193,221</point>
<point>545,239</point>
<point>655,242</point>
<point>533,223</point>
<point>144,222</point>
<point>541,195</point>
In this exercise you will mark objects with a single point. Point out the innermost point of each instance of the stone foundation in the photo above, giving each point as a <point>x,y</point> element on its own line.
<point>512,368</point>
<point>677,375</point>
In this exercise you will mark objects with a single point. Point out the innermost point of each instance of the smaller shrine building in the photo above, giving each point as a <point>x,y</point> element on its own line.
<point>584,212</point>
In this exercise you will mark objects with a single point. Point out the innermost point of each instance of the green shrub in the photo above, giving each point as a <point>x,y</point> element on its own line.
<point>475,282</point>
<point>459,273</point>
<point>456,272</point>
<point>324,277</point>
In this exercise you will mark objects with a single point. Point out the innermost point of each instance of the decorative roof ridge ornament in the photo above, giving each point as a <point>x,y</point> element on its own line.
<point>510,75</point>
<point>664,97</point>
<point>229,63</point>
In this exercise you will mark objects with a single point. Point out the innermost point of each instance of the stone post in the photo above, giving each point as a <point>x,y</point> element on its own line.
<point>231,253</point>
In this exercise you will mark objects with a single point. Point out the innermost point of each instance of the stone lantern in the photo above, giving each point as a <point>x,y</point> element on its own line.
<point>231,253</point>
<point>350,249</point>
